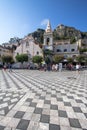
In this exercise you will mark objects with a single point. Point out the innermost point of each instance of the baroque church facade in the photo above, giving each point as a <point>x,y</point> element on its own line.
<point>28,46</point>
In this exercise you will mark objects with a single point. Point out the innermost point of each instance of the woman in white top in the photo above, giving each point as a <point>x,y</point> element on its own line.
<point>77,67</point>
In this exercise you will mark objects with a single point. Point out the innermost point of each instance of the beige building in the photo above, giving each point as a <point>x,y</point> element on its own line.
<point>4,51</point>
<point>64,47</point>
<point>82,43</point>
<point>28,46</point>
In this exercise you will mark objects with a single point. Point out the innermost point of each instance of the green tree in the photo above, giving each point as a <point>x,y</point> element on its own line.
<point>48,52</point>
<point>47,60</point>
<point>81,58</point>
<point>70,60</point>
<point>82,50</point>
<point>22,57</point>
<point>72,40</point>
<point>37,59</point>
<point>58,58</point>
<point>7,59</point>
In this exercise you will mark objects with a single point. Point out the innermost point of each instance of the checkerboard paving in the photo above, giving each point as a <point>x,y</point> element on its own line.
<point>38,100</point>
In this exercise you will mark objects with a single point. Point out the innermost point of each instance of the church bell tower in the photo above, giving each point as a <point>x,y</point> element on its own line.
<point>48,38</point>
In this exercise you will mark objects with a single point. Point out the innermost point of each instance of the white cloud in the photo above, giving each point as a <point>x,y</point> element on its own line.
<point>44,22</point>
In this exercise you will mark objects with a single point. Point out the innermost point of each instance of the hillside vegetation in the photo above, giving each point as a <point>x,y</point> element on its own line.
<point>61,32</point>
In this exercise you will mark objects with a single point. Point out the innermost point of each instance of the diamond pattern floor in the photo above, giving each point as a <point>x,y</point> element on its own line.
<point>37,100</point>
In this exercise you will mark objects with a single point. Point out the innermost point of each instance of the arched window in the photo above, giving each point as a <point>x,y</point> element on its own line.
<point>48,41</point>
<point>65,50</point>
<point>58,50</point>
<point>37,52</point>
<point>27,44</point>
<point>72,49</point>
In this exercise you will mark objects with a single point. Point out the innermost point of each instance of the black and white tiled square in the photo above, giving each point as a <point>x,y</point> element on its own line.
<point>43,100</point>
<point>8,100</point>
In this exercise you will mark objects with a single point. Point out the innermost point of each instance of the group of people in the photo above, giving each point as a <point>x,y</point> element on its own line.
<point>9,66</point>
<point>56,67</point>
<point>52,67</point>
<point>59,67</point>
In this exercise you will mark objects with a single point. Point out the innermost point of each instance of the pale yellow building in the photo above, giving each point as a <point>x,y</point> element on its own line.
<point>5,51</point>
<point>82,43</point>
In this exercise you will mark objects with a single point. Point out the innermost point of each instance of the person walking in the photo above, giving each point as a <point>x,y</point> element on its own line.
<point>10,67</point>
<point>5,67</point>
<point>56,67</point>
<point>77,67</point>
<point>60,67</point>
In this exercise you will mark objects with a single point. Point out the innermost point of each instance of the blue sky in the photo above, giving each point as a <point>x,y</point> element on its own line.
<point>20,17</point>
